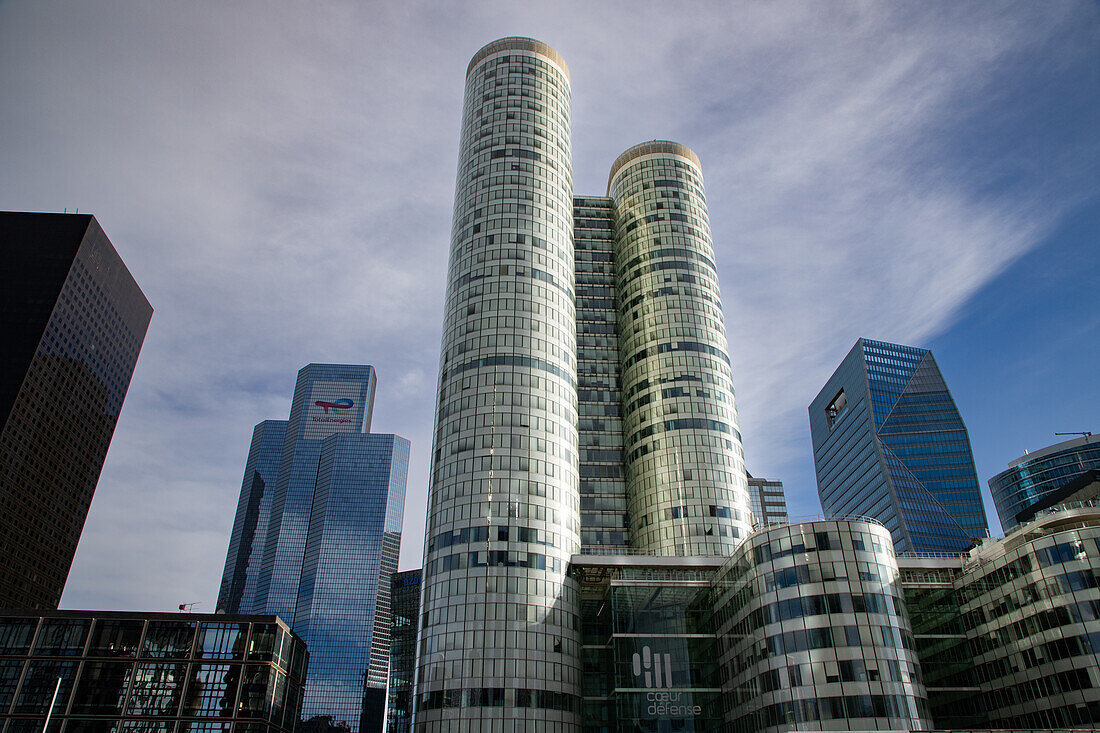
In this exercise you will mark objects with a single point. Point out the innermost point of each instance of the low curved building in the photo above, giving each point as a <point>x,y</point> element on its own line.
<point>1035,476</point>
<point>813,631</point>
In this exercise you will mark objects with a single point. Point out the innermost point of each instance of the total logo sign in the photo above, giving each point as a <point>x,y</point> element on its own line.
<point>333,407</point>
<point>339,407</point>
<point>334,411</point>
<point>655,671</point>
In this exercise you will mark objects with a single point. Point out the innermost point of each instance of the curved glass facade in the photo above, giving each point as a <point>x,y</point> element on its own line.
<point>686,484</point>
<point>814,632</point>
<point>1033,477</point>
<point>1032,610</point>
<point>499,646</point>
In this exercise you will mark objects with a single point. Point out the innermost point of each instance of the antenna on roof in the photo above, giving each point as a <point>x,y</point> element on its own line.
<point>1085,433</point>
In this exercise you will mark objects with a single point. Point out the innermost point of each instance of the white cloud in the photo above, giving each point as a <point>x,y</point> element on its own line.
<point>278,178</point>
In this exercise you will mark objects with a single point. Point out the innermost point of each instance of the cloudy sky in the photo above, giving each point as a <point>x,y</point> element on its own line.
<point>278,178</point>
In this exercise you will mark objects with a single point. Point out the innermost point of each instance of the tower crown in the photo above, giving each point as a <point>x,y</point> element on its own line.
<point>650,148</point>
<point>517,43</point>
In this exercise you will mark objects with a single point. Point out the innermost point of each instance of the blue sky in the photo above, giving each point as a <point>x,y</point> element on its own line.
<point>278,177</point>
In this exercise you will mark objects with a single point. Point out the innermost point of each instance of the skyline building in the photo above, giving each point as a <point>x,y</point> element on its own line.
<point>406,616</point>
<point>585,396</point>
<point>889,443</point>
<point>316,537</point>
<point>1037,475</point>
<point>769,503</point>
<point>73,321</point>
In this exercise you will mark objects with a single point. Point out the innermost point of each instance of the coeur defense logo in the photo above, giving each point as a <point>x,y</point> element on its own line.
<point>660,664</point>
<point>656,672</point>
<point>339,407</point>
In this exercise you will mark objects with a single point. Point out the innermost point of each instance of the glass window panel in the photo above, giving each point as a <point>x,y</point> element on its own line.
<point>16,635</point>
<point>222,641</point>
<point>157,689</point>
<point>102,688</point>
<point>169,639</point>
<point>115,638</point>
<point>212,690</point>
<point>62,637</point>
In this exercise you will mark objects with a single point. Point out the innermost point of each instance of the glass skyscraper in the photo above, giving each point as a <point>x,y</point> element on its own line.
<point>406,614</point>
<point>73,320</point>
<point>316,538</point>
<point>889,443</point>
<point>769,503</point>
<point>585,396</point>
<point>1037,475</point>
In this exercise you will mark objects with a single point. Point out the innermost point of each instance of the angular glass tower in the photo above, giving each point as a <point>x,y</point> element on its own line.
<point>585,396</point>
<point>246,545</point>
<point>316,538</point>
<point>889,443</point>
<point>73,320</point>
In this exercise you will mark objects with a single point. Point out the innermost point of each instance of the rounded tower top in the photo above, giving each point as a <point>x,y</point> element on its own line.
<point>649,148</point>
<point>518,43</point>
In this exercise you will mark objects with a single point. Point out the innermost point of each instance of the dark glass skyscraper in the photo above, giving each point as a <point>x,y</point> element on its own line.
<point>316,538</point>
<point>889,443</point>
<point>72,321</point>
<point>406,615</point>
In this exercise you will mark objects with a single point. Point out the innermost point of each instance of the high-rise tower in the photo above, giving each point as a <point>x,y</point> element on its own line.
<point>889,443</point>
<point>316,538</point>
<point>585,396</point>
<point>72,321</point>
<point>499,637</point>
<point>684,463</point>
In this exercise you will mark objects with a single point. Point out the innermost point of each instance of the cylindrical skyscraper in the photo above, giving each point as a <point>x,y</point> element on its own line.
<point>686,485</point>
<point>499,632</point>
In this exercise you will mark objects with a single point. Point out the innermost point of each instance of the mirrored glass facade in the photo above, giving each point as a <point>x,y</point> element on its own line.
<point>317,535</point>
<point>1033,477</point>
<point>246,548</point>
<point>649,651</point>
<point>113,671</point>
<point>73,321</point>
<point>406,614</point>
<point>946,655</point>
<point>889,443</point>
<point>1031,607</point>
<point>1007,635</point>
<point>769,503</point>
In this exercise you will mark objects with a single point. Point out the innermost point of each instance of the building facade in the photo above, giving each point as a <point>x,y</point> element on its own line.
<point>113,671</point>
<point>889,443</point>
<point>585,396</point>
<point>803,628</point>
<point>73,321</point>
<point>406,615</point>
<point>1010,630</point>
<point>316,538</point>
<point>768,502</point>
<point>1033,477</point>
